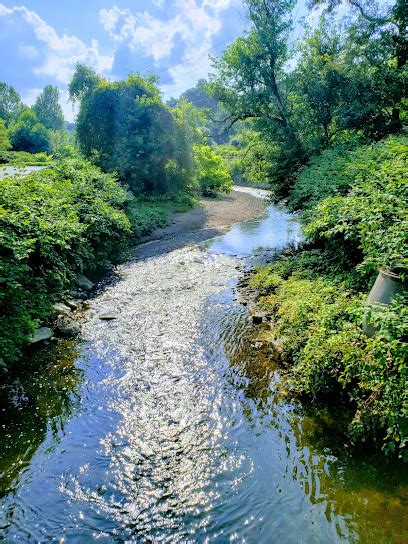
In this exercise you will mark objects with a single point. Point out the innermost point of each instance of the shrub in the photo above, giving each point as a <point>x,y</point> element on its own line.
<point>211,173</point>
<point>337,169</point>
<point>29,135</point>
<point>372,216</point>
<point>319,321</point>
<point>23,158</point>
<point>53,224</point>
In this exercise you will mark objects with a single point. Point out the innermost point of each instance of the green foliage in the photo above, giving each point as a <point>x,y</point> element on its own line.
<point>344,77</point>
<point>48,110</point>
<point>372,216</point>
<point>23,158</point>
<point>83,82</point>
<point>124,127</point>
<point>210,170</point>
<point>4,139</point>
<point>326,174</point>
<point>146,214</point>
<point>319,322</point>
<point>10,104</point>
<point>29,135</point>
<point>53,224</point>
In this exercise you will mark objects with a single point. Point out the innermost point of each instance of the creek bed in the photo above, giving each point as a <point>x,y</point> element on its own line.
<point>166,424</point>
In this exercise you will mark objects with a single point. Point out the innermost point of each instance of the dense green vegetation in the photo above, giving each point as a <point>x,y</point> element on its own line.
<point>54,224</point>
<point>355,223</point>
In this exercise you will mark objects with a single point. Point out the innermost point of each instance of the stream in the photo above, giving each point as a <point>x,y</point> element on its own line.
<point>167,424</point>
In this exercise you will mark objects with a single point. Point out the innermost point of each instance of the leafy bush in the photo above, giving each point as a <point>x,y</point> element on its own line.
<point>372,216</point>
<point>28,134</point>
<point>23,158</point>
<point>53,224</point>
<point>319,323</point>
<point>335,170</point>
<point>4,139</point>
<point>211,172</point>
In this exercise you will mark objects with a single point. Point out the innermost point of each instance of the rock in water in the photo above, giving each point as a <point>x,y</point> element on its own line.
<point>67,326</point>
<point>83,282</point>
<point>108,316</point>
<point>41,334</point>
<point>61,308</point>
<point>73,304</point>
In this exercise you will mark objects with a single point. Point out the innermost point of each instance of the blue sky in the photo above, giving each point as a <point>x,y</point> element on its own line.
<point>42,40</point>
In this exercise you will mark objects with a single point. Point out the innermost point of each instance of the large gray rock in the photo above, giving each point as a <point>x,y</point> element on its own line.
<point>41,334</point>
<point>83,282</point>
<point>67,326</point>
<point>61,308</point>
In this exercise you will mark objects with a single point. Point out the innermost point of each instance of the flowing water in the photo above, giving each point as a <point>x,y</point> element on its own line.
<point>167,424</point>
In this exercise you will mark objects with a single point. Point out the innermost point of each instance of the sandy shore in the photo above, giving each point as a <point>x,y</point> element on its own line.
<point>214,213</point>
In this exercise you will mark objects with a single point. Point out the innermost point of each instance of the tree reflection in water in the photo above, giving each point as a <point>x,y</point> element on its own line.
<point>36,398</point>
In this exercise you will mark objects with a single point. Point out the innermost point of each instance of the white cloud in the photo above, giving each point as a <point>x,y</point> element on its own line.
<point>28,51</point>
<point>193,24</point>
<point>63,51</point>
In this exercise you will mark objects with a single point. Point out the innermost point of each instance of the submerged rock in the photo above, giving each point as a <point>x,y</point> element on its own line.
<point>83,282</point>
<point>41,334</point>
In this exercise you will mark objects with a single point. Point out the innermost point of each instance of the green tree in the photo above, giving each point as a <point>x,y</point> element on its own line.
<point>83,82</point>
<point>10,103</point>
<point>318,81</point>
<point>211,172</point>
<point>4,139</point>
<point>48,110</point>
<point>29,135</point>
<point>390,23</point>
<point>251,82</point>
<point>124,127</point>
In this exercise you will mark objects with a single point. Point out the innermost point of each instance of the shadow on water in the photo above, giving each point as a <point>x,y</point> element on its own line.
<point>352,495</point>
<point>34,403</point>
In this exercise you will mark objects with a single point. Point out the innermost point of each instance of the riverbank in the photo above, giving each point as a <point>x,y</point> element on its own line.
<point>214,213</point>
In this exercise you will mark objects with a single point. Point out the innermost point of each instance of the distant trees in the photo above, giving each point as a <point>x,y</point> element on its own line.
<point>211,173</point>
<point>4,139</point>
<point>48,110</point>
<point>10,104</point>
<point>124,127</point>
<point>28,134</point>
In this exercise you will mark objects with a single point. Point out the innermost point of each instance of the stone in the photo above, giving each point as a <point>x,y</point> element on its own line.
<point>41,334</point>
<point>76,294</point>
<point>108,316</point>
<point>73,304</point>
<point>61,308</point>
<point>67,326</point>
<point>257,319</point>
<point>83,282</point>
